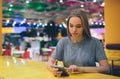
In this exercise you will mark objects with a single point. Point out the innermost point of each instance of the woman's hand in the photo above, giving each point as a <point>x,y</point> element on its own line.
<point>74,69</point>
<point>51,66</point>
<point>56,72</point>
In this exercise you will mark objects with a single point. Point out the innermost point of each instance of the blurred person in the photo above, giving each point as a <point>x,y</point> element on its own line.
<point>79,52</point>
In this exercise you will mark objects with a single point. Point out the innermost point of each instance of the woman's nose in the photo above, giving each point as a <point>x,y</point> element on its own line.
<point>74,29</point>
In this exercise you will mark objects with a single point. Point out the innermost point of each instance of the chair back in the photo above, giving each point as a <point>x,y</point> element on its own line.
<point>26,55</point>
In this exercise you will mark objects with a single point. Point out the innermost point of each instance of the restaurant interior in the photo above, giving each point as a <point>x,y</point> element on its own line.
<point>31,29</point>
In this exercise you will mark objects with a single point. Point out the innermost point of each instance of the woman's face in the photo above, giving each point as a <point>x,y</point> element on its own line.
<point>75,26</point>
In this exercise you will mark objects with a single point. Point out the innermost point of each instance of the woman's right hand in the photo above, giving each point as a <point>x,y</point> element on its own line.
<point>56,72</point>
<point>51,66</point>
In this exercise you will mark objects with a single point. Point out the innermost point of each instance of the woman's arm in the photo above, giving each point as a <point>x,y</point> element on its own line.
<point>102,68</point>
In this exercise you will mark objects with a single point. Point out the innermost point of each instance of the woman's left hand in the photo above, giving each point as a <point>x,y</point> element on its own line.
<point>73,69</point>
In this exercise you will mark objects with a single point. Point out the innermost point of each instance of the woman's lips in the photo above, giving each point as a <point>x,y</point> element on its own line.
<point>75,33</point>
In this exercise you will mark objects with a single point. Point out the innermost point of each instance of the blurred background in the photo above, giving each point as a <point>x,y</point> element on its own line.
<point>32,28</point>
<point>46,18</point>
<point>36,24</point>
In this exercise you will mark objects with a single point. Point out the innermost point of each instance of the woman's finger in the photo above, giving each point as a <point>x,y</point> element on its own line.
<point>73,68</point>
<point>57,73</point>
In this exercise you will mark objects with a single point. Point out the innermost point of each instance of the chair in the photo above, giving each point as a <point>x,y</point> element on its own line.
<point>26,55</point>
<point>7,52</point>
<point>51,52</point>
<point>113,55</point>
<point>44,54</point>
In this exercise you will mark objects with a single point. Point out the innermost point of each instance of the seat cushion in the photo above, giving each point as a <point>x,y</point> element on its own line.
<point>113,46</point>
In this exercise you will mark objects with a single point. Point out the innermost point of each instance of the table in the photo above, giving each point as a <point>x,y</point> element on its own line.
<point>16,68</point>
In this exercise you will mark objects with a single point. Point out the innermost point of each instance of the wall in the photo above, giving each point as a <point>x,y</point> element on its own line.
<point>1,27</point>
<point>112,21</point>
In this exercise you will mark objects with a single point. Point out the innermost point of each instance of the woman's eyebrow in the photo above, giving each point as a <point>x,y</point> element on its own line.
<point>76,24</point>
<point>79,24</point>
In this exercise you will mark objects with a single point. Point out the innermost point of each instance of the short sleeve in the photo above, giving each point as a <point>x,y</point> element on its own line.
<point>58,53</point>
<point>100,53</point>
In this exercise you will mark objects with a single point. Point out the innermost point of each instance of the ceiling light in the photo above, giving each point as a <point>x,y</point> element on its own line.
<point>27,2</point>
<point>11,5</point>
<point>94,1</point>
<point>82,5</point>
<point>61,1</point>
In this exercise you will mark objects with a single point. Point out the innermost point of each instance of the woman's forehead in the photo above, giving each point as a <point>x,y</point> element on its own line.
<point>75,19</point>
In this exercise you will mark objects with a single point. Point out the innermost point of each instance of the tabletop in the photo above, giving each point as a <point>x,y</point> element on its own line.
<point>15,68</point>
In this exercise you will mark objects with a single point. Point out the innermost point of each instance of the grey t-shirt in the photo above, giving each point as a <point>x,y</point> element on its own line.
<point>84,53</point>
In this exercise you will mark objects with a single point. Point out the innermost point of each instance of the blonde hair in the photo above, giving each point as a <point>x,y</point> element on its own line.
<point>82,15</point>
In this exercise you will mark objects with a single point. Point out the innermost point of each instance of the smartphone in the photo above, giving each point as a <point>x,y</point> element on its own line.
<point>64,72</point>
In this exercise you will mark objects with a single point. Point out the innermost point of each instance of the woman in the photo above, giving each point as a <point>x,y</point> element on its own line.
<point>79,52</point>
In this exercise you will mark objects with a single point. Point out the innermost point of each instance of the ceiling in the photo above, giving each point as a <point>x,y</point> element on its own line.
<point>45,10</point>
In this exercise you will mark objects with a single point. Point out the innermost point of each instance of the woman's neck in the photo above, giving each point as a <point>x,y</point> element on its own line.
<point>76,39</point>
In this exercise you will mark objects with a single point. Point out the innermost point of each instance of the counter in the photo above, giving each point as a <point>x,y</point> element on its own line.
<point>15,68</point>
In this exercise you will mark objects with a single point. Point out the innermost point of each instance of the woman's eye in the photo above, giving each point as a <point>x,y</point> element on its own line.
<point>71,26</point>
<point>79,26</point>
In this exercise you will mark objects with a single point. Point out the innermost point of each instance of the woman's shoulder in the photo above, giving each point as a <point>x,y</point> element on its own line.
<point>64,39</point>
<point>95,40</point>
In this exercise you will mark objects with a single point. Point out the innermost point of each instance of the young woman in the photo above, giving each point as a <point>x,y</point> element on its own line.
<point>79,52</point>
